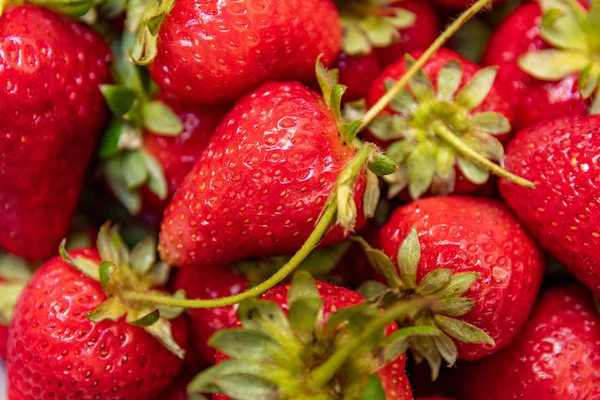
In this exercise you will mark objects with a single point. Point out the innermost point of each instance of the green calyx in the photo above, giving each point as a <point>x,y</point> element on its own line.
<point>371,23</point>
<point>146,24</point>
<point>378,165</point>
<point>574,33</point>
<point>299,355</point>
<point>14,275</point>
<point>433,128</point>
<point>135,270</point>
<point>127,166</point>
<point>70,8</point>
<point>442,287</point>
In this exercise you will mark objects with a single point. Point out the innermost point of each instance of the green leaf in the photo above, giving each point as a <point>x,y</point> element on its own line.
<point>434,281</point>
<point>563,31</point>
<point>247,387</point>
<point>588,81</point>
<point>304,315</point>
<point>595,107</point>
<point>303,287</point>
<point>455,306</point>
<point>592,27</point>
<point>112,310</point>
<point>462,331</point>
<point>170,312</point>
<point>449,80</point>
<point>9,294</point>
<point>426,348</point>
<point>81,264</point>
<point>157,182</point>
<point>403,102</point>
<point>459,284</point>
<point>477,89</point>
<point>371,196</point>
<point>143,255</point>
<point>107,247</point>
<point>354,41</point>
<point>162,331</point>
<point>119,98</point>
<point>397,182</point>
<point>382,165</point>
<point>553,64</point>
<point>245,344</point>
<point>472,170</point>
<point>444,162</point>
<point>380,262</point>
<point>409,255</point>
<point>401,18</point>
<point>160,119</point>
<point>134,170</point>
<point>379,33</point>
<point>420,166</point>
<point>398,342</point>
<point>132,200</point>
<point>447,348</point>
<point>373,389</point>
<point>266,317</point>
<point>400,150</point>
<point>147,319</point>
<point>420,84</point>
<point>109,145</point>
<point>106,270</point>
<point>372,289</point>
<point>327,79</point>
<point>388,127</point>
<point>491,122</point>
<point>350,130</point>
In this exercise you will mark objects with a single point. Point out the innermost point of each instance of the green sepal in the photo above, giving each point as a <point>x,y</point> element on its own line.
<point>420,166</point>
<point>112,309</point>
<point>106,270</point>
<point>382,165</point>
<point>434,281</point>
<point>491,122</point>
<point>71,8</point>
<point>552,64</point>
<point>380,262</point>
<point>372,289</point>
<point>459,284</point>
<point>266,317</point>
<point>143,255</point>
<point>146,320</point>
<point>588,81</point>
<point>472,170</point>
<point>9,293</point>
<point>398,342</point>
<point>248,345</point>
<point>145,48</point>
<point>408,258</point>
<point>160,119</point>
<point>120,99</point>
<point>477,89</point>
<point>462,331</point>
<point>374,389</point>
<point>81,264</point>
<point>372,194</point>
<point>420,84</point>
<point>305,306</point>
<point>449,80</point>
<point>454,306</point>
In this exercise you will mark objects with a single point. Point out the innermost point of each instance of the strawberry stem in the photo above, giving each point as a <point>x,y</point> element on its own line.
<point>383,102</point>
<point>443,132</point>
<point>324,373</point>
<point>353,167</point>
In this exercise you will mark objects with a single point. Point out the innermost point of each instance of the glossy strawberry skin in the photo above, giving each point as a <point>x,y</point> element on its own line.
<point>556,356</point>
<point>393,376</point>
<point>478,235</point>
<point>178,154</point>
<point>209,283</point>
<point>214,52</point>
<point>259,188</point>
<point>55,352</point>
<point>533,100</point>
<point>417,37</point>
<point>3,337</point>
<point>561,158</point>
<point>357,73</point>
<point>52,113</point>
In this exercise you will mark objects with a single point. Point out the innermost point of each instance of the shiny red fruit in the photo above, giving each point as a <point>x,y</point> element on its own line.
<point>555,357</point>
<point>562,158</point>
<point>357,73</point>
<point>51,115</point>
<point>478,235</point>
<point>214,52</point>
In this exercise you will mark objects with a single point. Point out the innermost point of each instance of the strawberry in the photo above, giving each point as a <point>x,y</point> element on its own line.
<point>561,157</point>
<point>377,34</point>
<point>262,183</point>
<point>73,335</point>
<point>51,68</point>
<point>556,355</point>
<point>547,54</point>
<point>209,283</point>
<point>471,255</point>
<point>426,125</point>
<point>289,354</point>
<point>214,52</point>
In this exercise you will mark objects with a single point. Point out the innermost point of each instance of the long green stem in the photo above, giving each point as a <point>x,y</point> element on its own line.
<point>383,102</point>
<point>324,373</point>
<point>443,132</point>
<point>353,168</point>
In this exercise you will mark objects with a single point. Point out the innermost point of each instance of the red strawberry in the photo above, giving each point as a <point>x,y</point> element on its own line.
<point>464,246</point>
<point>423,123</point>
<point>209,283</point>
<point>211,51</point>
<point>262,183</point>
<point>357,73</point>
<point>556,356</point>
<point>72,335</point>
<point>540,61</point>
<point>52,113</point>
<point>561,157</point>
<point>299,355</point>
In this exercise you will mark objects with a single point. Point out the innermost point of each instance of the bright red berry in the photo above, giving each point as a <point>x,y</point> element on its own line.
<point>52,113</point>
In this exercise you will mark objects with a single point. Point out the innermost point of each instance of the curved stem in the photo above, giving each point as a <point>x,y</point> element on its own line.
<point>321,375</point>
<point>443,132</point>
<point>352,169</point>
<point>383,102</point>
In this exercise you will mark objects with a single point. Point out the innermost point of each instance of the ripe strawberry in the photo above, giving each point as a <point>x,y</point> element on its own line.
<point>209,283</point>
<point>474,257</point>
<point>263,181</point>
<point>214,52</point>
<point>547,65</point>
<point>561,157</point>
<point>52,113</point>
<point>556,356</point>
<point>291,349</point>
<point>423,123</point>
<point>73,335</point>
<point>377,34</point>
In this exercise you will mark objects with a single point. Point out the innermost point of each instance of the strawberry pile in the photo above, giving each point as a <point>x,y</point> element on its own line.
<point>300,199</point>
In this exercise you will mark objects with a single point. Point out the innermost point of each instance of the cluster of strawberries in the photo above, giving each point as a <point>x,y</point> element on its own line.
<point>310,198</point>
